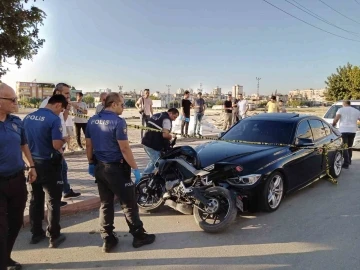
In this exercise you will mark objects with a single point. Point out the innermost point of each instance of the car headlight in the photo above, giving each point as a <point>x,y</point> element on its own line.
<point>246,180</point>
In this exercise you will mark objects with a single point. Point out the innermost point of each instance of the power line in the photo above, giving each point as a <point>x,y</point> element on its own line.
<point>310,23</point>
<point>308,11</point>
<point>338,12</point>
<point>357,1</point>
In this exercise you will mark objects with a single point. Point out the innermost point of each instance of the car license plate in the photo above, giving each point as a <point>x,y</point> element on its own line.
<point>239,203</point>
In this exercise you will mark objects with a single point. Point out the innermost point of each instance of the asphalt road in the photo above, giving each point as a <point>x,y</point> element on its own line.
<point>315,228</point>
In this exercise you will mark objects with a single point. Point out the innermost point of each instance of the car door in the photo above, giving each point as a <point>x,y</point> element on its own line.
<point>321,139</point>
<point>300,169</point>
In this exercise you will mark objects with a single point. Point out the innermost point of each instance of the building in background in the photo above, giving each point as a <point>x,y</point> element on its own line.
<point>237,89</point>
<point>216,92</point>
<point>317,95</point>
<point>34,90</point>
<point>180,91</point>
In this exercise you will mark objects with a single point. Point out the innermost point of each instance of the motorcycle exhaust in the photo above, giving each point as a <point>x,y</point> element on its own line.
<point>182,208</point>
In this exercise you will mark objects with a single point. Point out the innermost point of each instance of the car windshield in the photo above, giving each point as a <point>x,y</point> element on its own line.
<point>265,131</point>
<point>334,108</point>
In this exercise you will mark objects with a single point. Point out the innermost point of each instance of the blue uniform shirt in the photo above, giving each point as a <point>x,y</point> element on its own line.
<point>12,137</point>
<point>104,130</point>
<point>41,128</point>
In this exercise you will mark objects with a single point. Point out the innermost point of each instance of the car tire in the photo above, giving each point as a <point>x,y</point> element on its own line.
<point>336,166</point>
<point>273,192</point>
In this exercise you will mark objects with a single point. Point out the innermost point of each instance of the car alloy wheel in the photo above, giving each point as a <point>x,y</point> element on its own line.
<point>275,191</point>
<point>336,168</point>
<point>338,164</point>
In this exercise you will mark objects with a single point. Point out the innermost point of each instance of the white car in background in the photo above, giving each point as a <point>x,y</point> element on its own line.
<point>330,115</point>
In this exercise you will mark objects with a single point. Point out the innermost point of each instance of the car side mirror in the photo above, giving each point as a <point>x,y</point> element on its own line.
<point>221,134</point>
<point>302,142</point>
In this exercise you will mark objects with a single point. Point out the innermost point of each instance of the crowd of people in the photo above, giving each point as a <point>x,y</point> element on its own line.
<point>236,109</point>
<point>37,145</point>
<point>41,137</point>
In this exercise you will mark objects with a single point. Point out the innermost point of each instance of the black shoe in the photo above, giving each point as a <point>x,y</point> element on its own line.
<point>55,242</point>
<point>37,238</point>
<point>12,265</point>
<point>142,239</point>
<point>345,166</point>
<point>63,203</point>
<point>72,194</point>
<point>109,243</point>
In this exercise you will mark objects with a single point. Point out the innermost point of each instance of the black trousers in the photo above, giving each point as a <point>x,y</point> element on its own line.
<point>348,139</point>
<point>13,195</point>
<point>78,128</point>
<point>46,189</point>
<point>115,179</point>
<point>185,126</point>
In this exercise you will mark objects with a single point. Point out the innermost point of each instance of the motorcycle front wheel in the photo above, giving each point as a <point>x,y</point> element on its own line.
<point>149,194</point>
<point>218,214</point>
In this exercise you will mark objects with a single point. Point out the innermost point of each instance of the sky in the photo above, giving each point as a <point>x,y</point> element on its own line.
<point>139,44</point>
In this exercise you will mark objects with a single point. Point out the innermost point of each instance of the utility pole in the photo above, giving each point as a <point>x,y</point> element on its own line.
<point>120,89</point>
<point>201,87</point>
<point>168,99</point>
<point>258,86</point>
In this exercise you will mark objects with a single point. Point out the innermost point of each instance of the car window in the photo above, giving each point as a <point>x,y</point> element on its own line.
<point>327,128</point>
<point>331,113</point>
<point>264,131</point>
<point>317,129</point>
<point>304,131</point>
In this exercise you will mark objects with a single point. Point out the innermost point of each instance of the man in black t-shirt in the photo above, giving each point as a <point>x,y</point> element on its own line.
<point>228,112</point>
<point>185,110</point>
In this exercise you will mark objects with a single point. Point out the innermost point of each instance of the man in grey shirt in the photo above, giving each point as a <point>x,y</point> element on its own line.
<point>199,105</point>
<point>100,107</point>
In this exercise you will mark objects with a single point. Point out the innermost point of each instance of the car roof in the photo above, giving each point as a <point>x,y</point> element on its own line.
<point>281,117</point>
<point>352,102</point>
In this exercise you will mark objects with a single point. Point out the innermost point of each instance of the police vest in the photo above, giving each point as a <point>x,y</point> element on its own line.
<point>154,139</point>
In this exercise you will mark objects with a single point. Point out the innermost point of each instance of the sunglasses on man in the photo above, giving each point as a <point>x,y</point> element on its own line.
<point>13,100</point>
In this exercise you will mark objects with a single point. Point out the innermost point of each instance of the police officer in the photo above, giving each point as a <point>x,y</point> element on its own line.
<point>156,141</point>
<point>13,193</point>
<point>107,142</point>
<point>63,89</point>
<point>43,131</point>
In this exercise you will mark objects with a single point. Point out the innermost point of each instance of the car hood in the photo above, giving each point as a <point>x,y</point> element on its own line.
<point>213,152</point>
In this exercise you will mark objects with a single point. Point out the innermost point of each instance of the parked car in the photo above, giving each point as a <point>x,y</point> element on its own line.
<point>279,153</point>
<point>331,113</point>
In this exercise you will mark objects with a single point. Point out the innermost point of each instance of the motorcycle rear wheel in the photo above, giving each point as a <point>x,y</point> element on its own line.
<point>150,201</point>
<point>225,212</point>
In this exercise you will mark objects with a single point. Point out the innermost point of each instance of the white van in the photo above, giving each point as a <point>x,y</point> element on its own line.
<point>330,115</point>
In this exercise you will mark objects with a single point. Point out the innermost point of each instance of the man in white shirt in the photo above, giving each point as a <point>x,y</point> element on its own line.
<point>348,117</point>
<point>63,89</point>
<point>243,107</point>
<point>80,108</point>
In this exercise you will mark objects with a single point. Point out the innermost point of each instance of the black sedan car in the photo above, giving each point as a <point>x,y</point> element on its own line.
<point>291,156</point>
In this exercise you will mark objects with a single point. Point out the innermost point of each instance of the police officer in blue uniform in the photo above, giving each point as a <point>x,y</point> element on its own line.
<point>44,134</point>
<point>107,145</point>
<point>156,141</point>
<point>13,193</point>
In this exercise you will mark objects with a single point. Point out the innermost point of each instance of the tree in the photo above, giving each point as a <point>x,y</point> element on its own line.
<point>19,29</point>
<point>130,103</point>
<point>345,84</point>
<point>88,99</point>
<point>154,98</point>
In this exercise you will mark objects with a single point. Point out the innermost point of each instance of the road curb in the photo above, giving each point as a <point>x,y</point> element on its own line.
<point>72,209</point>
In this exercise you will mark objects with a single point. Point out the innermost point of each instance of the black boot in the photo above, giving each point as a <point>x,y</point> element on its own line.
<point>109,243</point>
<point>141,238</point>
